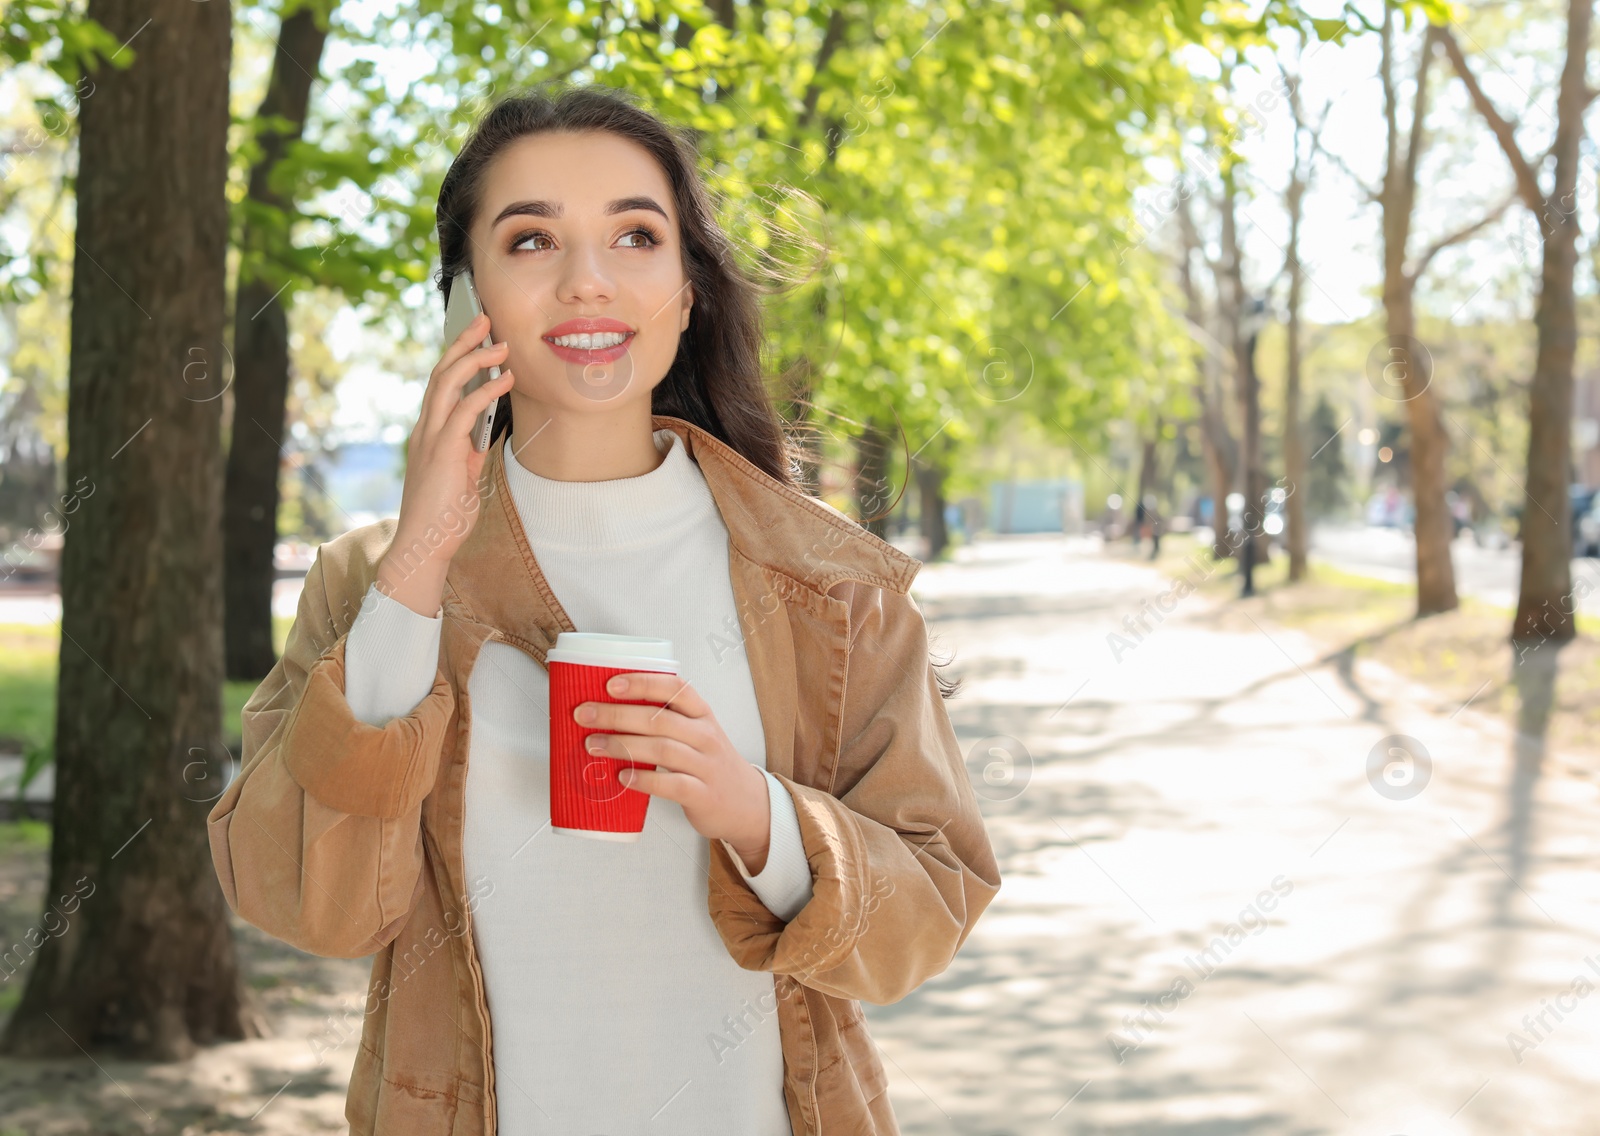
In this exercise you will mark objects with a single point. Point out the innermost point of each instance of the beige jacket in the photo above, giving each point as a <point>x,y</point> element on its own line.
<point>345,839</point>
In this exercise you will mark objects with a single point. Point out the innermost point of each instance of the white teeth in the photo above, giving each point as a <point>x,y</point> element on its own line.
<point>590,342</point>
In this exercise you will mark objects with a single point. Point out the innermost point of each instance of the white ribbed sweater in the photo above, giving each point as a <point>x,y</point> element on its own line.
<point>614,1004</point>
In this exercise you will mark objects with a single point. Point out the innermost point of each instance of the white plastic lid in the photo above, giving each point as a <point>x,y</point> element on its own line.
<point>596,649</point>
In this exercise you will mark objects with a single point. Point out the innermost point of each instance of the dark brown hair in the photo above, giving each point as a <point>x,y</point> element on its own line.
<point>715,380</point>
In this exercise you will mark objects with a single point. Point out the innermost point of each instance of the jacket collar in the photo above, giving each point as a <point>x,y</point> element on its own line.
<point>496,578</point>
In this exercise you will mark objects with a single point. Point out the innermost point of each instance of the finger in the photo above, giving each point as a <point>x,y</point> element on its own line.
<point>664,752</point>
<point>471,337</point>
<point>467,410</point>
<point>654,686</point>
<point>444,389</point>
<point>664,783</point>
<point>651,721</point>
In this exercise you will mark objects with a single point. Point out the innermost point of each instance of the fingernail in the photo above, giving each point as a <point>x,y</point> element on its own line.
<point>618,685</point>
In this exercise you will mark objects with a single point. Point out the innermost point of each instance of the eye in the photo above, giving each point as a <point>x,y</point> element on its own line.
<point>654,234</point>
<point>516,241</point>
<point>654,237</point>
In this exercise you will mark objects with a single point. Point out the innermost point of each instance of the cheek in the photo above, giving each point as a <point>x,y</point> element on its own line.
<point>666,324</point>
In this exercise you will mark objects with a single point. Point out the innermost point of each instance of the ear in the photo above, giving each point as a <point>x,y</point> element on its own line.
<point>688,303</point>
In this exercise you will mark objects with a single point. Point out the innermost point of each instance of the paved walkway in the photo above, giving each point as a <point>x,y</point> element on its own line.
<point>1212,920</point>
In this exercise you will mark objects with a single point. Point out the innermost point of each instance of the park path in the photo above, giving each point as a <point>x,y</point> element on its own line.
<point>1217,768</point>
<point>1163,789</point>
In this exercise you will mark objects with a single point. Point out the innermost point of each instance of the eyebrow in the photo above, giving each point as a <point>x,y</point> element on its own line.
<point>555,209</point>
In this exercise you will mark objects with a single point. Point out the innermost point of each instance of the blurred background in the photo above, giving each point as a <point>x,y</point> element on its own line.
<point>1231,366</point>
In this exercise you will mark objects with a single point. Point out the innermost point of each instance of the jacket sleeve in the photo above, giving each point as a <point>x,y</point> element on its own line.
<point>901,862</point>
<point>318,840</point>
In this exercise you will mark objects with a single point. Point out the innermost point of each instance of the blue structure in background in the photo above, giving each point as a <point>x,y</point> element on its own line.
<point>363,479</point>
<point>1051,506</point>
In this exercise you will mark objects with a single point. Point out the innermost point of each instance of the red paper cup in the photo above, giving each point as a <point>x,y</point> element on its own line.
<point>586,799</point>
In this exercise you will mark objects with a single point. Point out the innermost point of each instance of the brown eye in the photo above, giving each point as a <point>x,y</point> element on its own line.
<point>532,234</point>
<point>652,236</point>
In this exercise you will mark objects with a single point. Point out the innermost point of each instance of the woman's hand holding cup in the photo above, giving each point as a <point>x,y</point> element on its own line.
<point>723,796</point>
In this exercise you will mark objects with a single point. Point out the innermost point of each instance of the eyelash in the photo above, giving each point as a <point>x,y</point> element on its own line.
<point>655,235</point>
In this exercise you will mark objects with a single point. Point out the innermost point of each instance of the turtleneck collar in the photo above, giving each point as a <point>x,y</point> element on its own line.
<point>627,512</point>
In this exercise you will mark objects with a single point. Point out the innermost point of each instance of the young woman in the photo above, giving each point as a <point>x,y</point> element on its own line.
<point>812,838</point>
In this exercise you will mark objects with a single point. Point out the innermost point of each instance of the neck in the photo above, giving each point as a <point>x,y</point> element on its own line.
<point>588,445</point>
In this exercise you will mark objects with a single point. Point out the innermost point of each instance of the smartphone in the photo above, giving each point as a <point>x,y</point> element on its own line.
<point>462,309</point>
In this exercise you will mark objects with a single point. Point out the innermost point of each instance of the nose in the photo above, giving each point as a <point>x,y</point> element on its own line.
<point>583,276</point>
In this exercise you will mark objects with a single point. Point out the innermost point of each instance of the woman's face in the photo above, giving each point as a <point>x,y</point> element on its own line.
<point>577,234</point>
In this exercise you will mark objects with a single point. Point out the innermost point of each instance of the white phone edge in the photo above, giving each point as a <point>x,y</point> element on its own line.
<point>484,425</point>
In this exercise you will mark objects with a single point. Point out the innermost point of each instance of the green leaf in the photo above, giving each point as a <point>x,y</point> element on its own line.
<point>1329,29</point>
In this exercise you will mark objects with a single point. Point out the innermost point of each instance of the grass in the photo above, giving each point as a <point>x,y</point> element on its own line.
<point>24,833</point>
<point>1466,655</point>
<point>27,682</point>
<point>28,671</point>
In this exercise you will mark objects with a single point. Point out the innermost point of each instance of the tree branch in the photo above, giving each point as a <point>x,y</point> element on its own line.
<point>1504,132</point>
<point>1372,195</point>
<point>831,39</point>
<point>1416,137</point>
<point>1458,236</point>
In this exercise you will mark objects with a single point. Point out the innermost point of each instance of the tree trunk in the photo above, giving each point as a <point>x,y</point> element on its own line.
<point>1254,473</point>
<point>1147,479</point>
<point>1295,450</point>
<point>1296,536</point>
<point>1545,599</point>
<point>1221,486</point>
<point>145,967</point>
<point>261,368</point>
<point>1216,442</point>
<point>1294,439</point>
<point>1434,526</point>
<point>930,487</point>
<point>1545,602</point>
<point>1250,475</point>
<point>1401,358</point>
<point>875,496</point>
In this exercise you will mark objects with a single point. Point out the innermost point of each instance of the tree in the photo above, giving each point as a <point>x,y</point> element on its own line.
<point>1325,488</point>
<point>146,965</point>
<point>1307,145</point>
<point>1242,322</point>
<point>930,507</point>
<point>261,354</point>
<point>1401,356</point>
<point>1220,449</point>
<point>1400,366</point>
<point>1545,604</point>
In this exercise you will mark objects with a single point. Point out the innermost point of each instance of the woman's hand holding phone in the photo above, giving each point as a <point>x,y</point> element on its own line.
<point>439,502</point>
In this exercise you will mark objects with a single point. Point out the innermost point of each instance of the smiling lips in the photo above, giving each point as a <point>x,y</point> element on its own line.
<point>590,340</point>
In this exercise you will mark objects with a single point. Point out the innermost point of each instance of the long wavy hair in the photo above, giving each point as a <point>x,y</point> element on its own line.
<point>715,380</point>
